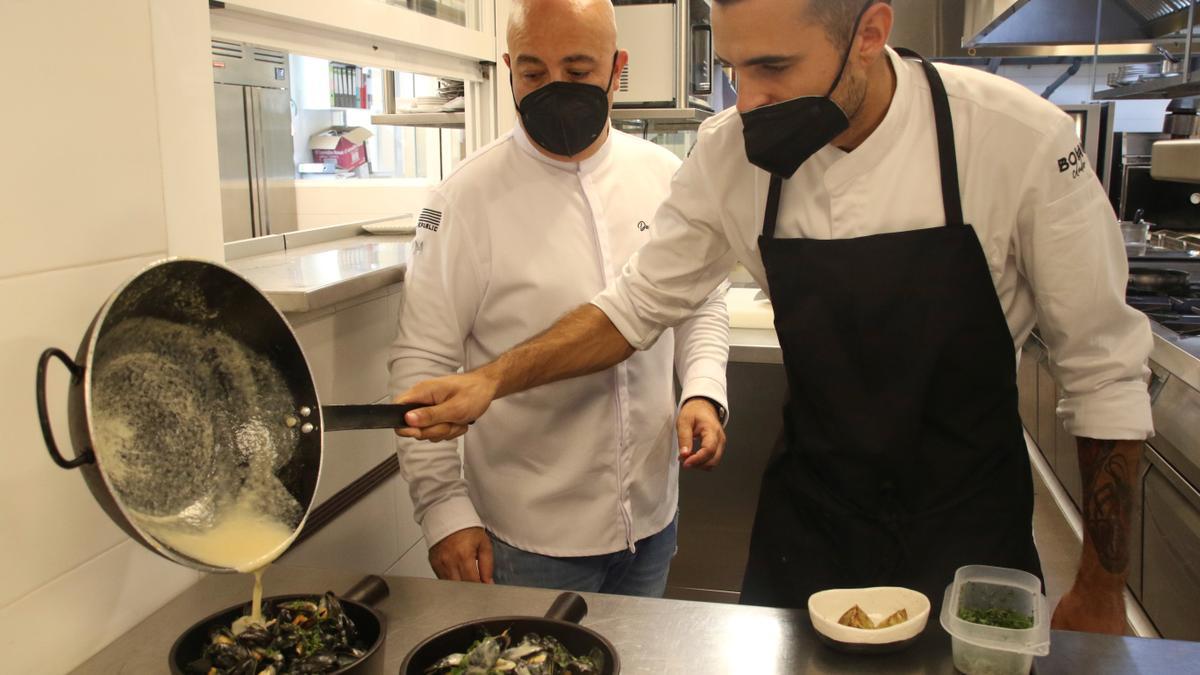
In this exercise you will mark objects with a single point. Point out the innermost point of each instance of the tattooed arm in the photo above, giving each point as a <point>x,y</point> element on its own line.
<point>1096,602</point>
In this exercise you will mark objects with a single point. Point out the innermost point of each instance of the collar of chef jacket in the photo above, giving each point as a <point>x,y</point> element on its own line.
<point>846,166</point>
<point>586,166</point>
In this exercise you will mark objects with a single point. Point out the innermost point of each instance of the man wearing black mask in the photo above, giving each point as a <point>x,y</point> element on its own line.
<point>911,223</point>
<point>572,486</point>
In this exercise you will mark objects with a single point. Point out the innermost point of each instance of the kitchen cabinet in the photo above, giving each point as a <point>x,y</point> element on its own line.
<point>1038,396</point>
<point>1066,465</point>
<point>1027,389</point>
<point>1170,560</point>
<point>716,509</point>
<point>1047,393</point>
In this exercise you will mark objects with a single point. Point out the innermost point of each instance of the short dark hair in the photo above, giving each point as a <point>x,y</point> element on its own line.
<point>837,16</point>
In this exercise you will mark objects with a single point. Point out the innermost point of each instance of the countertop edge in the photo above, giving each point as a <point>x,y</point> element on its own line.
<point>300,300</point>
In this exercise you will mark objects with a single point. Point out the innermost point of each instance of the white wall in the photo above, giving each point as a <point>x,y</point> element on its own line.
<point>121,172</point>
<point>334,202</point>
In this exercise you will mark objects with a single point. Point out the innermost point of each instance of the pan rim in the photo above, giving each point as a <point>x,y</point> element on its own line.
<point>570,625</point>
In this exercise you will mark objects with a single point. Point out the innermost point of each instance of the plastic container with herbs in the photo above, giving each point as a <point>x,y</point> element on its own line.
<point>997,620</point>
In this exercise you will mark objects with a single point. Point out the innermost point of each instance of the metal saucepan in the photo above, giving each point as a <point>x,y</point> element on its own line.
<point>561,622</point>
<point>369,624</point>
<point>200,402</point>
<point>1148,279</point>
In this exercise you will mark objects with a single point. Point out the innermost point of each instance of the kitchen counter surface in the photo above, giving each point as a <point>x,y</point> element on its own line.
<point>306,278</point>
<point>754,345</point>
<point>1178,354</point>
<point>651,636</point>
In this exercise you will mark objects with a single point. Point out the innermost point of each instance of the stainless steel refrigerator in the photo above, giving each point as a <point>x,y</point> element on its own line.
<point>254,139</point>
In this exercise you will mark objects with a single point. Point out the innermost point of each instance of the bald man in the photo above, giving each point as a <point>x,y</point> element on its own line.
<point>573,486</point>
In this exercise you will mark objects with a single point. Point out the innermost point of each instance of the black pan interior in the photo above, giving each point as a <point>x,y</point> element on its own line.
<point>210,297</point>
<point>577,639</point>
<point>190,645</point>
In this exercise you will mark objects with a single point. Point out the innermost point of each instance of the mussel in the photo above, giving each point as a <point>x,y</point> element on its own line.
<point>299,636</point>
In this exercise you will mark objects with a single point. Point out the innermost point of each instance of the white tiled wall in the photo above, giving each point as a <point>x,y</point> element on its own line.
<point>86,200</point>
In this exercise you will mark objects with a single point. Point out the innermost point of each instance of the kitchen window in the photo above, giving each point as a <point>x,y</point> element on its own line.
<point>331,94</point>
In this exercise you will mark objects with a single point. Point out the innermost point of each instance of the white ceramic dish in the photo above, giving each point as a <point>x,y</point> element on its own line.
<point>826,607</point>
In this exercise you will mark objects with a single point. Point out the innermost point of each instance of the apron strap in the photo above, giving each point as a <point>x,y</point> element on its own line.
<point>947,157</point>
<point>772,212</point>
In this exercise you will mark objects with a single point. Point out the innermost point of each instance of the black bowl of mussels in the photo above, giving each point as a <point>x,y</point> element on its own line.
<point>551,645</point>
<point>300,634</point>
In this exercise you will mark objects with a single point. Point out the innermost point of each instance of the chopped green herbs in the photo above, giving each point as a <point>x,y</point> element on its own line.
<point>994,616</point>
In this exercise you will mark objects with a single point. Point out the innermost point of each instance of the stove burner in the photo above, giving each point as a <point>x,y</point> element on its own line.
<point>1180,313</point>
<point>1181,325</point>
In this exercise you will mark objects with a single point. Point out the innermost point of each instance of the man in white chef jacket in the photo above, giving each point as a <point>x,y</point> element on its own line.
<point>841,150</point>
<point>573,486</point>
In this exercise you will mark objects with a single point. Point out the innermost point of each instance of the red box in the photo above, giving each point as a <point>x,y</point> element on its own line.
<point>344,145</point>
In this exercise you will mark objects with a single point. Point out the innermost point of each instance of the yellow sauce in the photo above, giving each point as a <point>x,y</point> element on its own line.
<point>243,539</point>
<point>256,615</point>
<point>256,604</point>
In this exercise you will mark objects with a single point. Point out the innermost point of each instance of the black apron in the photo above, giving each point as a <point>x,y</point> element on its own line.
<point>903,456</point>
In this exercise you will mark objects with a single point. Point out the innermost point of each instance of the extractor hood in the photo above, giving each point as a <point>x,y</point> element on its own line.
<point>1070,22</point>
<point>940,30</point>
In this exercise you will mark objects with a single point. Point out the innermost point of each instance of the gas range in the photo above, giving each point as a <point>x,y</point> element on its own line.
<point>1179,312</point>
<point>1178,309</point>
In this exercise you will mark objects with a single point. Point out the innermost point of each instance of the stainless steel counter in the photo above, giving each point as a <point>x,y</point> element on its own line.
<point>754,345</point>
<point>651,636</point>
<point>1178,355</point>
<point>306,278</point>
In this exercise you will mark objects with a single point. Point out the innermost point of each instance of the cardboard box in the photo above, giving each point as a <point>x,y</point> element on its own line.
<point>343,145</point>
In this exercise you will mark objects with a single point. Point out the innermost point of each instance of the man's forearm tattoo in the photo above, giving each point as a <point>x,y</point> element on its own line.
<point>1107,501</point>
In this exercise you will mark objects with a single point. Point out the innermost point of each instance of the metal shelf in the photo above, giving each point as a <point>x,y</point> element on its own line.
<point>1158,88</point>
<point>437,120</point>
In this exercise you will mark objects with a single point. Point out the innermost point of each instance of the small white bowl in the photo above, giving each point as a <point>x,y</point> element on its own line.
<point>826,607</point>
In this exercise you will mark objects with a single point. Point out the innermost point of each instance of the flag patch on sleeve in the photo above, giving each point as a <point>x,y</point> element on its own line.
<point>429,219</point>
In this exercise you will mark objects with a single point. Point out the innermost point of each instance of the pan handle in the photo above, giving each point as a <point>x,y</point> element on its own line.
<point>86,457</point>
<point>369,591</point>
<point>570,607</point>
<point>373,416</point>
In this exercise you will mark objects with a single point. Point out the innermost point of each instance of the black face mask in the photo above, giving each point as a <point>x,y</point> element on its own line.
<point>782,136</point>
<point>565,117</point>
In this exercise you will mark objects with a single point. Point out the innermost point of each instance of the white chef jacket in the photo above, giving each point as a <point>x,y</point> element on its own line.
<point>508,243</point>
<point>1046,227</point>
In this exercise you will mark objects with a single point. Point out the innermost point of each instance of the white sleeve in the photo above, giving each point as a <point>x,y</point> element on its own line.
<point>442,290</point>
<point>1071,252</point>
<point>702,350</point>
<point>673,274</point>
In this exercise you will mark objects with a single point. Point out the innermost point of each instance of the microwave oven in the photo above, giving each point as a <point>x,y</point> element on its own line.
<point>670,54</point>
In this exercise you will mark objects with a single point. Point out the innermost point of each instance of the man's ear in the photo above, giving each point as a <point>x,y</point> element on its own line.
<point>619,64</point>
<point>873,32</point>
